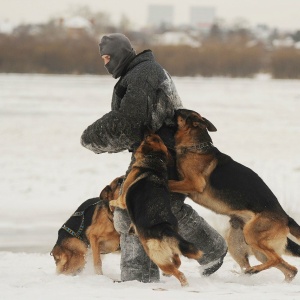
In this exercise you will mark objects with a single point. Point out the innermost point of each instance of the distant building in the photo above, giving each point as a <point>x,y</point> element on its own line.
<point>202,17</point>
<point>160,15</point>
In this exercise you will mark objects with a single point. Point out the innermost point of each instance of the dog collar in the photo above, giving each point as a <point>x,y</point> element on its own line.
<point>195,148</point>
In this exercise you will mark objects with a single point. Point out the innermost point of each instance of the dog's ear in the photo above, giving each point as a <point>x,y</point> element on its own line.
<point>106,193</point>
<point>193,120</point>
<point>196,123</point>
<point>183,113</point>
<point>209,125</point>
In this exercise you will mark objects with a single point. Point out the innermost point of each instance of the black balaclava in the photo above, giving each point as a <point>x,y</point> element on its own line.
<point>119,48</point>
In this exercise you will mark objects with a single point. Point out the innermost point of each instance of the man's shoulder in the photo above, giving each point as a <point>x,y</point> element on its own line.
<point>144,60</point>
<point>146,70</point>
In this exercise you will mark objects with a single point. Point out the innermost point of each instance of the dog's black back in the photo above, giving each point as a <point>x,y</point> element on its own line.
<point>88,208</point>
<point>241,187</point>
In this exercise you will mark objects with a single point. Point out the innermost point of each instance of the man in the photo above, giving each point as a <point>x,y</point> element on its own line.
<point>145,97</point>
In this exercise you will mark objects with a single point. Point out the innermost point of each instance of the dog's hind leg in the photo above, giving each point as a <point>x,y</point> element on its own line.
<point>268,236</point>
<point>171,269</point>
<point>285,268</point>
<point>176,260</point>
<point>165,254</point>
<point>288,270</point>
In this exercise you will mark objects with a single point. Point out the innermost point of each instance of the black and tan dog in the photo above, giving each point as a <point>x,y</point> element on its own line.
<point>259,225</point>
<point>91,225</point>
<point>146,196</point>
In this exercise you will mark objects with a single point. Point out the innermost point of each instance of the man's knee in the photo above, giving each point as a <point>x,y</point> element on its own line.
<point>195,229</point>
<point>135,263</point>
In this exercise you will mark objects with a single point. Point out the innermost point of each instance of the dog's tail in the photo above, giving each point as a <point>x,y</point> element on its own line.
<point>294,228</point>
<point>188,249</point>
<point>292,248</point>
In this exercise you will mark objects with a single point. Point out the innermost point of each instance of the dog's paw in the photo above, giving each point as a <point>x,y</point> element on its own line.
<point>251,271</point>
<point>117,203</point>
<point>183,280</point>
<point>113,204</point>
<point>289,276</point>
<point>98,271</point>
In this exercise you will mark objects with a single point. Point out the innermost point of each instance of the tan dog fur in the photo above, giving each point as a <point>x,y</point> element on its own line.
<point>70,256</point>
<point>261,229</point>
<point>164,250</point>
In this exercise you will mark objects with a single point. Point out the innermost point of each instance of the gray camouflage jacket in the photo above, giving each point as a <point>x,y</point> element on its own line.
<point>144,97</point>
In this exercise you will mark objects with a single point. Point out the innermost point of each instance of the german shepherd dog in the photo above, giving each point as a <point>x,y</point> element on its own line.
<point>146,196</point>
<point>259,225</point>
<point>91,225</point>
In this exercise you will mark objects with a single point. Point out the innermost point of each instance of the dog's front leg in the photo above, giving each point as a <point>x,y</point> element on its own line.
<point>120,202</point>
<point>186,186</point>
<point>95,246</point>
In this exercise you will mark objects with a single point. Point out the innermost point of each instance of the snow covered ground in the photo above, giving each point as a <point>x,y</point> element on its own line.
<point>45,174</point>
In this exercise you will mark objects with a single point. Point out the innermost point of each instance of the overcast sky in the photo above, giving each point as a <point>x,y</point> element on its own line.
<point>283,14</point>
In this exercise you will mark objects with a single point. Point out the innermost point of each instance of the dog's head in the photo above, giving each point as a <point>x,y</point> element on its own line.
<point>69,256</point>
<point>112,191</point>
<point>152,144</point>
<point>192,128</point>
<point>189,119</point>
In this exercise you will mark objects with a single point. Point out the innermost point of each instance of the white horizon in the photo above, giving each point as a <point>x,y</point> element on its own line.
<point>274,13</point>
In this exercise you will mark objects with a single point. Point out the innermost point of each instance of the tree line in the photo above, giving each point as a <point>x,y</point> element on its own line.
<point>63,53</point>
